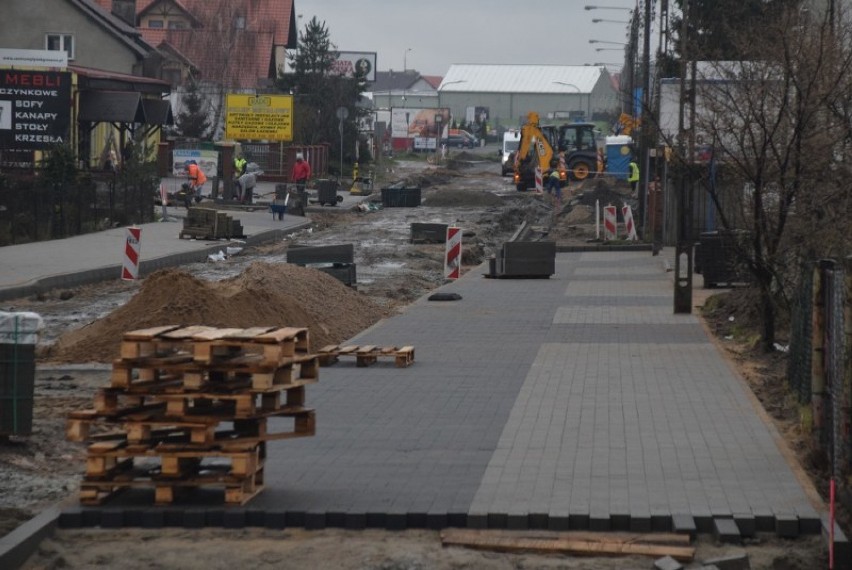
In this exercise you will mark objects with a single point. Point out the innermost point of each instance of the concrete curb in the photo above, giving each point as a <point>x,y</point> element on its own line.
<point>17,546</point>
<point>146,267</point>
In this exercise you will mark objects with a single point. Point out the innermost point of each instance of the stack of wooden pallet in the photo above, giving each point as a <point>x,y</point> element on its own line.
<point>191,407</point>
<point>367,354</point>
<point>207,223</point>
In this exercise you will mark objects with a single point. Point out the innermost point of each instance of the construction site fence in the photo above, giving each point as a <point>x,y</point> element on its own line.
<point>275,159</point>
<point>35,209</point>
<point>820,358</point>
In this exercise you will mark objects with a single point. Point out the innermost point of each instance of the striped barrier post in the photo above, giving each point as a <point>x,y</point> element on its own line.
<point>627,212</point>
<point>609,222</point>
<point>132,247</point>
<point>452,257</point>
<point>539,181</point>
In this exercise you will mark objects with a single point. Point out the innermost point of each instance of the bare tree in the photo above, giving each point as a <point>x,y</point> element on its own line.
<point>779,125</point>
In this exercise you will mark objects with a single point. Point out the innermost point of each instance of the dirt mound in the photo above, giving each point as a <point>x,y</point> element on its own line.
<point>263,295</point>
<point>603,192</point>
<point>461,198</point>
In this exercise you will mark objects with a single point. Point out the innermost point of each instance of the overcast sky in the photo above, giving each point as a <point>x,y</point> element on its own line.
<point>440,33</point>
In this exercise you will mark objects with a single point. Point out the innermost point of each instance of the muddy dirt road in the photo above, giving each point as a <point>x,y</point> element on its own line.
<point>42,469</point>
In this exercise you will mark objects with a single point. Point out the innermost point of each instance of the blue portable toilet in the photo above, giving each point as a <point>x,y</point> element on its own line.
<point>618,151</point>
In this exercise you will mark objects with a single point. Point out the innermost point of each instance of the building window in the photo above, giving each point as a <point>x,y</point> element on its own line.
<point>60,42</point>
<point>177,24</point>
<point>155,23</point>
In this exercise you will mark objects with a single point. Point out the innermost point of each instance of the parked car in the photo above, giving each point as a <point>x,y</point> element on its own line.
<point>459,141</point>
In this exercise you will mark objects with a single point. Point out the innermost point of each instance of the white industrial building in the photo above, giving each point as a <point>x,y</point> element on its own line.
<point>509,92</point>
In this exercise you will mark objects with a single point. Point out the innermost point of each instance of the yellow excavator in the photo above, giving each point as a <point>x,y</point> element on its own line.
<point>537,145</point>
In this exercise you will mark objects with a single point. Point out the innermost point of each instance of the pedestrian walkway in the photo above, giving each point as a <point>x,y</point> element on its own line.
<point>575,402</point>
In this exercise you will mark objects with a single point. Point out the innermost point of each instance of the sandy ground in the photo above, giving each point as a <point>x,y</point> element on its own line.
<point>83,324</point>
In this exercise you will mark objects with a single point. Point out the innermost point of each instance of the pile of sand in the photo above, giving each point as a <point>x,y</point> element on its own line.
<point>263,295</point>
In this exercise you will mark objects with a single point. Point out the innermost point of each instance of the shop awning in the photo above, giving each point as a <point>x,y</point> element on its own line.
<point>158,112</point>
<point>112,107</point>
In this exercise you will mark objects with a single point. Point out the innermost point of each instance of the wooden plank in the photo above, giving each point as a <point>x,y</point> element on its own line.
<point>150,333</point>
<point>563,544</point>
<point>284,333</point>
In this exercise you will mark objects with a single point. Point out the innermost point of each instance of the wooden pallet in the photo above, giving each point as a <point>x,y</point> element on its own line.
<point>366,355</point>
<point>171,345</point>
<point>151,375</point>
<point>197,429</point>
<point>238,489</point>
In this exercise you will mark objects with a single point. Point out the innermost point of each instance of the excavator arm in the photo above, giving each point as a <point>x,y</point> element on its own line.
<point>534,151</point>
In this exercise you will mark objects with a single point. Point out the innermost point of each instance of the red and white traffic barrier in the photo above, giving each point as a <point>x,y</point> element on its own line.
<point>627,212</point>
<point>539,180</point>
<point>132,247</point>
<point>452,257</point>
<point>609,222</point>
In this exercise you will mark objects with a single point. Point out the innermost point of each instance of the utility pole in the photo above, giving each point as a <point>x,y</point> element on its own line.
<point>646,126</point>
<point>683,249</point>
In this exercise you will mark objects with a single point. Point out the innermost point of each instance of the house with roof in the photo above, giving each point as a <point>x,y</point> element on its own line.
<point>236,44</point>
<point>509,92</point>
<point>113,73</point>
<point>404,89</point>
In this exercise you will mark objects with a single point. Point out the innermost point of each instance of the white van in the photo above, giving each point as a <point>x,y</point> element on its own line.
<point>511,142</point>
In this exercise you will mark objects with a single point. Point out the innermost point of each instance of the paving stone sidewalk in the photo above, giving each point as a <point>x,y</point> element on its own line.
<point>578,401</point>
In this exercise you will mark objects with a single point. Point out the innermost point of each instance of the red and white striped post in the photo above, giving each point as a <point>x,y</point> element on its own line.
<point>452,257</point>
<point>132,247</point>
<point>627,212</point>
<point>609,222</point>
<point>539,181</point>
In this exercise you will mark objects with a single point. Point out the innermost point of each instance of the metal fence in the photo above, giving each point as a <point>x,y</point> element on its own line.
<point>34,209</point>
<point>820,359</point>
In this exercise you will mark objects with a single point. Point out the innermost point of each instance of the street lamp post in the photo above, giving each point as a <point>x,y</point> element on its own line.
<point>579,92</point>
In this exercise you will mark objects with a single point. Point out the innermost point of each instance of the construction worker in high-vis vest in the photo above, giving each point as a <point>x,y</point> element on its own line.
<point>633,177</point>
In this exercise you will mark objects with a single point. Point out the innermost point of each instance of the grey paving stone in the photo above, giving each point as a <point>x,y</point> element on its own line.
<point>254,517</point>
<point>684,524</point>
<point>667,563</point>
<point>314,520</point>
<point>786,525</point>
<point>746,524</point>
<point>112,518</point>
<point>234,518</point>
<point>295,518</point>
<point>194,518</point>
<point>275,519</point>
<point>737,561</point>
<point>335,519</point>
<point>153,518</point>
<point>355,521</point>
<point>726,531</point>
<point>71,517</point>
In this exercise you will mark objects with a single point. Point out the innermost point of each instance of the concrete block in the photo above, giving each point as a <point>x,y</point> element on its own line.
<point>306,255</point>
<point>234,519</point>
<point>786,525</point>
<point>153,518</point>
<point>171,518</point>
<point>703,522</point>
<point>194,518</point>
<point>71,518</point>
<point>457,520</point>
<point>684,524</point>
<point>133,518</point>
<point>355,521</point>
<point>376,520</point>
<point>256,518</point>
<point>396,521</point>
<point>112,518</point>
<point>335,519</point>
<point>91,518</point>
<point>275,520</point>
<point>558,522</point>
<point>578,521</point>
<point>599,523</point>
<point>477,520</point>
<point>729,562</point>
<point>726,531</point>
<point>314,520</point>
<point>746,524</point>
<point>764,522</point>
<point>416,519</point>
<point>661,523</point>
<point>842,546</point>
<point>640,523</point>
<point>620,522</point>
<point>538,521</point>
<point>667,563</point>
<point>214,517</point>
<point>436,521</point>
<point>295,518</point>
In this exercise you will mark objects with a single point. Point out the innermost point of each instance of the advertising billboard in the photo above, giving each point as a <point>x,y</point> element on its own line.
<point>207,161</point>
<point>259,117</point>
<point>410,123</point>
<point>348,62</point>
<point>35,109</point>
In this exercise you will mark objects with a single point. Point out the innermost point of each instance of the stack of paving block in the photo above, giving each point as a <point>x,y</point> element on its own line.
<point>193,407</point>
<point>207,223</point>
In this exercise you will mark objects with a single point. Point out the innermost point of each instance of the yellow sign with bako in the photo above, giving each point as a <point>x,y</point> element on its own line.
<point>259,117</point>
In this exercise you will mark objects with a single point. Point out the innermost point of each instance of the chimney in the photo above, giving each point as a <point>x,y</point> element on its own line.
<point>125,10</point>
